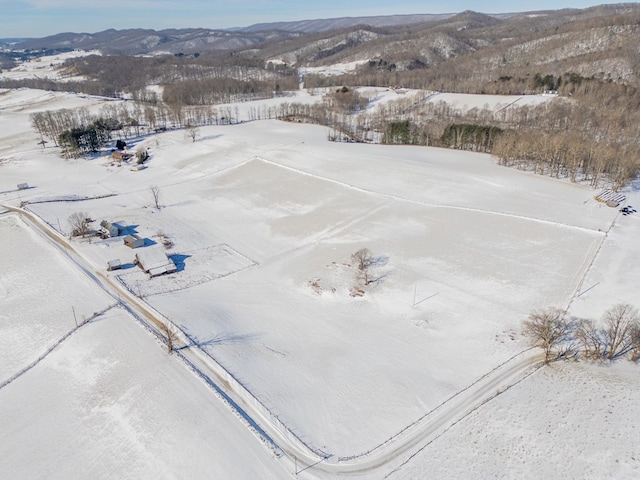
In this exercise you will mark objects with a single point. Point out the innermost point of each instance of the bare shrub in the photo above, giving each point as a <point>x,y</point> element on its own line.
<point>315,286</point>
<point>164,239</point>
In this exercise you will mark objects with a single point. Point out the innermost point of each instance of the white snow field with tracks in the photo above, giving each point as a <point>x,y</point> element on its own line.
<point>409,380</point>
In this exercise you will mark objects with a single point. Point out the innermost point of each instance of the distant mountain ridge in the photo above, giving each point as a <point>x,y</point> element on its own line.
<point>599,42</point>
<point>323,25</point>
<point>191,40</point>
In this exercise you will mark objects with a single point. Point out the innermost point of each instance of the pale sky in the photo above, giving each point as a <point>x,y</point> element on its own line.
<point>39,18</point>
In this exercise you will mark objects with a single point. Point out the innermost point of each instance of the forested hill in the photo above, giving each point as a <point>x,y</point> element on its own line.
<point>588,58</point>
<point>448,35</point>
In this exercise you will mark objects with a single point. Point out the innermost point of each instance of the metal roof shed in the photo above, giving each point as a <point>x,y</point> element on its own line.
<point>154,261</point>
<point>114,265</point>
<point>133,241</point>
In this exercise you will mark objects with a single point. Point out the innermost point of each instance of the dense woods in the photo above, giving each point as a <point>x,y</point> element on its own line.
<point>188,80</point>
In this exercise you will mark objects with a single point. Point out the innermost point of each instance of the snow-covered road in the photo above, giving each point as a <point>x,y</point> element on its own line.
<point>387,457</point>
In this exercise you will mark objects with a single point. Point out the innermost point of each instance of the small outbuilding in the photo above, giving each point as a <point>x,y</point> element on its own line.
<point>154,261</point>
<point>114,265</point>
<point>23,186</point>
<point>133,241</point>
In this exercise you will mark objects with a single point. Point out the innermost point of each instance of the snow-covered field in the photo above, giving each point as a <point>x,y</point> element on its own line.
<point>263,217</point>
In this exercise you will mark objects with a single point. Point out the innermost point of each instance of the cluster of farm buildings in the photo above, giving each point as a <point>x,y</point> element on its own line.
<point>151,259</point>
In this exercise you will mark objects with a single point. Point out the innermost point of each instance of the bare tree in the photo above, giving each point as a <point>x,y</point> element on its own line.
<point>171,336</point>
<point>79,224</point>
<point>620,321</point>
<point>193,133</point>
<point>547,329</point>
<point>635,343</point>
<point>155,191</point>
<point>363,260</point>
<point>590,338</point>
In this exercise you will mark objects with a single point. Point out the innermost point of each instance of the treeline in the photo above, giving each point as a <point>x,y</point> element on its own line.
<point>75,131</point>
<point>101,89</point>
<point>617,334</point>
<point>78,132</point>
<point>10,58</point>
<point>500,59</point>
<point>392,124</point>
<point>563,138</point>
<point>85,139</point>
<point>570,155</point>
<point>591,136</point>
<point>588,135</point>
<point>213,91</point>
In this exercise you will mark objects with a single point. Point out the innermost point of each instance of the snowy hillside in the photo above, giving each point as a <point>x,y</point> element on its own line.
<point>287,362</point>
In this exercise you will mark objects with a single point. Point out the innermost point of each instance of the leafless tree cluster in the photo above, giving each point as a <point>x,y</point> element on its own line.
<point>77,131</point>
<point>571,155</point>
<point>345,100</point>
<point>577,139</point>
<point>212,91</point>
<point>189,80</point>
<point>616,335</point>
<point>589,137</point>
<point>51,123</point>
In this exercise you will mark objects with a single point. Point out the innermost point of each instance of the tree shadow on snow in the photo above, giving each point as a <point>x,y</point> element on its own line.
<point>227,339</point>
<point>209,137</point>
<point>376,262</point>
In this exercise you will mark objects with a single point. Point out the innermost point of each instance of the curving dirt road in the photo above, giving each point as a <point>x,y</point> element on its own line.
<point>383,459</point>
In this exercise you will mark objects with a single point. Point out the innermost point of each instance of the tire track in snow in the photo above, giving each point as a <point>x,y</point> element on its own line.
<point>439,420</point>
<point>428,204</point>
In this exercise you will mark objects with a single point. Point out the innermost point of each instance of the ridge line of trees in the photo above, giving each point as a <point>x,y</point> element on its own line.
<point>616,335</point>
